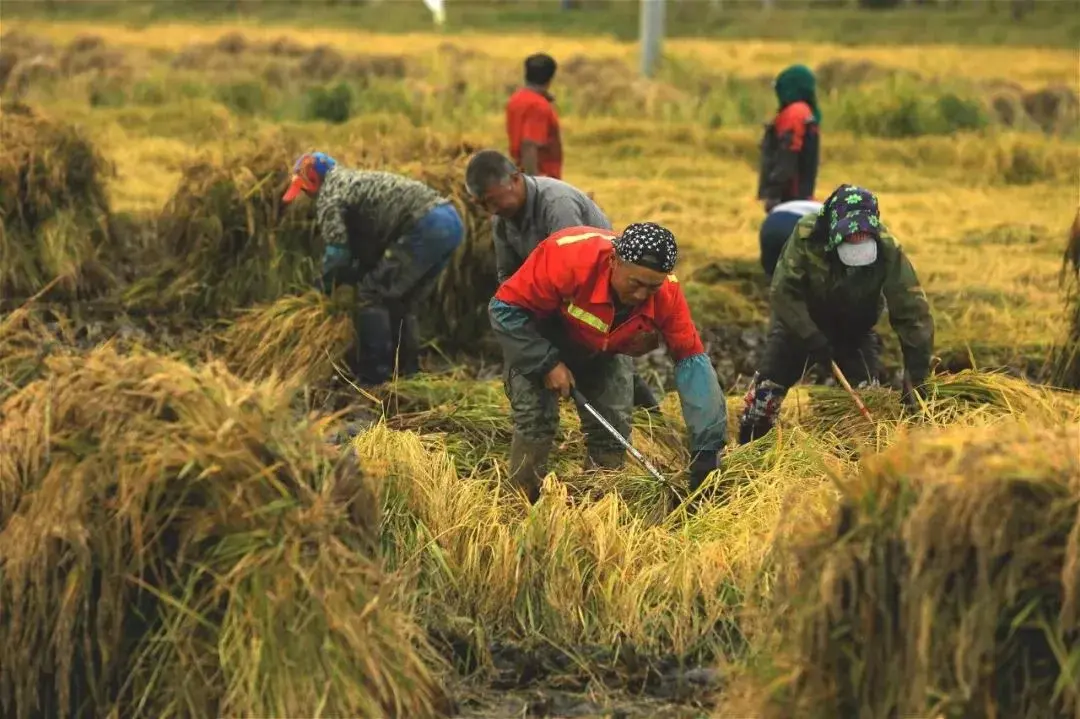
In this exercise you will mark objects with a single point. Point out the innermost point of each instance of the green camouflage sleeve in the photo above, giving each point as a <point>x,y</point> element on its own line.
<point>909,315</point>
<point>337,255</point>
<point>788,303</point>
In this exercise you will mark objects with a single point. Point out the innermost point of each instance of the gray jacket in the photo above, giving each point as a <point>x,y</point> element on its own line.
<point>550,205</point>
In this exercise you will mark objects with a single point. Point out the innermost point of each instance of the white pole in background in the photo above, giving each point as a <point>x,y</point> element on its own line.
<point>651,34</point>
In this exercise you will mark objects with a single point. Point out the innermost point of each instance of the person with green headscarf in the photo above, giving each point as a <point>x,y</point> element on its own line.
<point>791,144</point>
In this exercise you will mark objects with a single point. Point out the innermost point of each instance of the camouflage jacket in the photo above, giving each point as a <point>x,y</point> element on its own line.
<point>360,212</point>
<point>819,300</point>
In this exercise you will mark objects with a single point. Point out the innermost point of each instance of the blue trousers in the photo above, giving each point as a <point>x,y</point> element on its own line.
<point>408,269</point>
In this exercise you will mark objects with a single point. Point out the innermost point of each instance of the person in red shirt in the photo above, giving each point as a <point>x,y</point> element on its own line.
<point>790,148</point>
<point>582,300</point>
<point>531,123</point>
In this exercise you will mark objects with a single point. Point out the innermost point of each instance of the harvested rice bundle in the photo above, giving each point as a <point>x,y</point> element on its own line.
<point>229,241</point>
<point>298,338</point>
<point>949,398</point>
<point>948,584</point>
<point>54,210</point>
<point>173,541</point>
<point>1066,356</point>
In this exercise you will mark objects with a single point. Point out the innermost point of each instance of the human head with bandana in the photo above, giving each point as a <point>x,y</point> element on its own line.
<point>852,225</point>
<point>644,256</point>
<point>308,175</point>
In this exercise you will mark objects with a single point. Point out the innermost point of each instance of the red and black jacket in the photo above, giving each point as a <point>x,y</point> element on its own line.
<point>790,152</point>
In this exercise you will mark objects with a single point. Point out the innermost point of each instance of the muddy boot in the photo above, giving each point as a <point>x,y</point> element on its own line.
<point>761,407</point>
<point>702,465</point>
<point>528,465</point>
<point>408,346</point>
<point>372,361</point>
<point>749,431</point>
<point>643,395</point>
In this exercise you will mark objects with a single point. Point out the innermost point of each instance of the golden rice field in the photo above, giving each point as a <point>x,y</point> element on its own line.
<point>197,519</point>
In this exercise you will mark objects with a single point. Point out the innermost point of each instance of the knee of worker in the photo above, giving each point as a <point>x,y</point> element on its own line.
<point>597,436</point>
<point>533,409</point>
<point>762,402</point>
<point>770,249</point>
<point>616,407</point>
<point>861,370</point>
<point>784,358</point>
<point>601,449</point>
<point>861,361</point>
<point>608,383</point>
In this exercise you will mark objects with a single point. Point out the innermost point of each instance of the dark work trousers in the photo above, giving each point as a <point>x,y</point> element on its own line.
<point>783,364</point>
<point>404,276</point>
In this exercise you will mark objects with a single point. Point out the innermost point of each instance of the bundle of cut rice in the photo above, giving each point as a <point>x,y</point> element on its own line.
<point>175,542</point>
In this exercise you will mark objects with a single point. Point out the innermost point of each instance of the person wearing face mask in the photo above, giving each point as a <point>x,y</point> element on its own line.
<point>525,211</point>
<point>583,297</point>
<point>835,275</point>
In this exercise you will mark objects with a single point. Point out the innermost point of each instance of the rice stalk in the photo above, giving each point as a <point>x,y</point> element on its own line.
<point>26,339</point>
<point>949,399</point>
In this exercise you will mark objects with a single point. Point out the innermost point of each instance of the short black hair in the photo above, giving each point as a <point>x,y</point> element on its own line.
<point>488,168</point>
<point>539,69</point>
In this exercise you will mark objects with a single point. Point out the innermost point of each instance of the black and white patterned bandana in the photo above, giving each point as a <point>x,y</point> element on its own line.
<point>649,245</point>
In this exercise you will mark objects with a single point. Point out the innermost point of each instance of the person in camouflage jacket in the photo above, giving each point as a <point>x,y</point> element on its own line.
<point>391,237</point>
<point>835,275</point>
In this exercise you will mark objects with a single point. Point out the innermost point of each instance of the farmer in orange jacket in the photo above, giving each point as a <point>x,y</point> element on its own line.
<point>582,298</point>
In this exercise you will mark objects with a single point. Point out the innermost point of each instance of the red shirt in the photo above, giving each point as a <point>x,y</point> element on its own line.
<point>531,116</point>
<point>570,273</point>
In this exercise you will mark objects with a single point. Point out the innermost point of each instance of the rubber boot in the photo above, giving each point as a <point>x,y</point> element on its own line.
<point>643,395</point>
<point>700,468</point>
<point>528,465</point>
<point>373,358</point>
<point>749,431</point>
<point>407,344</point>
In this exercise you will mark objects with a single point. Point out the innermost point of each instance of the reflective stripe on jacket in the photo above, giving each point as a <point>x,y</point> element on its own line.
<point>570,274</point>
